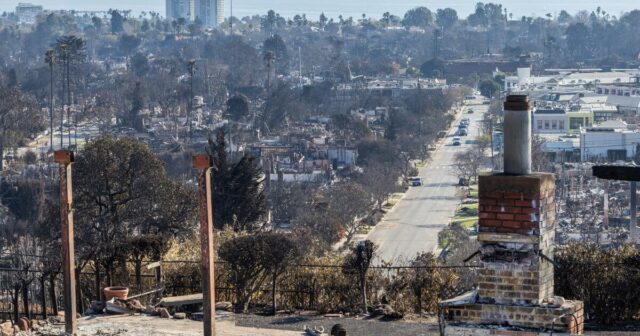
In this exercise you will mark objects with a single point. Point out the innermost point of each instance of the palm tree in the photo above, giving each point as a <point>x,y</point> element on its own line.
<point>49,58</point>
<point>70,50</point>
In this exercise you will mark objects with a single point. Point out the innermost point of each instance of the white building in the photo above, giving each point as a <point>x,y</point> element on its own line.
<point>618,90</point>
<point>210,12</point>
<point>609,141</point>
<point>629,105</point>
<point>177,9</point>
<point>28,13</point>
<point>550,121</point>
<point>560,149</point>
<point>570,78</point>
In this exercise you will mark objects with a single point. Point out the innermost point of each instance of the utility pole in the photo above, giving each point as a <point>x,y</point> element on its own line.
<point>605,204</point>
<point>65,159</point>
<point>203,164</point>
<point>491,135</point>
<point>300,65</point>
<point>68,66</point>
<point>50,60</point>
<point>231,19</point>
<point>63,53</point>
<point>191,66</point>
<point>436,46</point>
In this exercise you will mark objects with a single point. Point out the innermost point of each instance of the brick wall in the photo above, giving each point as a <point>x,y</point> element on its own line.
<point>517,204</point>
<point>517,215</point>
<point>515,283</point>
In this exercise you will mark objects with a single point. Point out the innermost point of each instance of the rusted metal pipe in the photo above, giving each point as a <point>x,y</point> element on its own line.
<point>203,164</point>
<point>65,158</point>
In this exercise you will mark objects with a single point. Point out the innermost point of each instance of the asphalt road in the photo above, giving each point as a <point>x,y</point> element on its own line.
<point>412,226</point>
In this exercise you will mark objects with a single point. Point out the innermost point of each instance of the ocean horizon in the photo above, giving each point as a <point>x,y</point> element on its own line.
<point>334,8</point>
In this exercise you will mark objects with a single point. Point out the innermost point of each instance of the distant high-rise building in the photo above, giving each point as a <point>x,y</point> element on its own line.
<point>209,12</point>
<point>180,9</point>
<point>28,13</point>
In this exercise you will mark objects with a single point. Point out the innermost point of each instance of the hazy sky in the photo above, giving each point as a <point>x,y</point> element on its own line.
<point>347,8</point>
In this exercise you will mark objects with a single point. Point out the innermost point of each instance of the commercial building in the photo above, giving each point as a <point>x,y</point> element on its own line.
<point>28,13</point>
<point>524,80</point>
<point>609,141</point>
<point>209,12</point>
<point>578,119</point>
<point>177,9</point>
<point>550,121</point>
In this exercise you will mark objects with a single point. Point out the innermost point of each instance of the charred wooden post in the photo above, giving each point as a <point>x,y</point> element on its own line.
<point>65,159</point>
<point>43,296</point>
<point>203,164</point>
<point>25,299</point>
<point>158,274</point>
<point>52,294</point>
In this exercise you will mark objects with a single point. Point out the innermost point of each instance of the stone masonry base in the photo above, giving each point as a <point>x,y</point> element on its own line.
<point>567,318</point>
<point>453,330</point>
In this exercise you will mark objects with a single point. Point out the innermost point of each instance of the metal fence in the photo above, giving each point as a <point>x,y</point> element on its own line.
<point>34,292</point>
<point>29,293</point>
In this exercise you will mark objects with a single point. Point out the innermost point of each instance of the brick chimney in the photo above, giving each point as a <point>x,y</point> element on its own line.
<point>516,232</point>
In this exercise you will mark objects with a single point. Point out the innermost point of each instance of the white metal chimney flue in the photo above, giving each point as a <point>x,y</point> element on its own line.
<point>517,135</point>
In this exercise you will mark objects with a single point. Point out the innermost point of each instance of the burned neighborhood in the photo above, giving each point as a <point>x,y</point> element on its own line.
<point>214,167</point>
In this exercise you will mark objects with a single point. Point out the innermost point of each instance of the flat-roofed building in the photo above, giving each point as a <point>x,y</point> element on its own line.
<point>177,9</point>
<point>28,13</point>
<point>609,141</point>
<point>209,12</point>
<point>550,121</point>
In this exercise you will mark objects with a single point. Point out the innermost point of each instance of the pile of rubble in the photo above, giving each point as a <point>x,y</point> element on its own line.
<point>133,306</point>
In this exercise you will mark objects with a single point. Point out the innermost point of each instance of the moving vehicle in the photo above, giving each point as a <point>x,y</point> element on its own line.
<point>470,111</point>
<point>456,141</point>
<point>415,181</point>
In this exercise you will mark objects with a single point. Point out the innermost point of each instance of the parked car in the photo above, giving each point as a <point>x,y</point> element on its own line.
<point>415,181</point>
<point>470,111</point>
<point>456,141</point>
<point>463,132</point>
